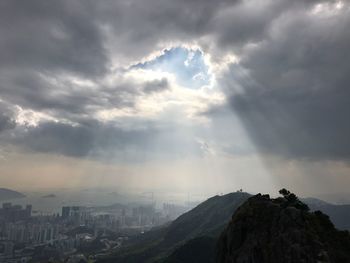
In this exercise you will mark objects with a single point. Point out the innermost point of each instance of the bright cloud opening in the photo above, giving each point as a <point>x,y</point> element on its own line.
<point>188,66</point>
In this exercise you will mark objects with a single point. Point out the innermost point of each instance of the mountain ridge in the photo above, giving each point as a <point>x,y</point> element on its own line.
<point>201,225</point>
<point>265,230</point>
<point>8,194</point>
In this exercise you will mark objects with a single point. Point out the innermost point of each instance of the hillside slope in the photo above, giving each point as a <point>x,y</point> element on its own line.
<point>207,219</point>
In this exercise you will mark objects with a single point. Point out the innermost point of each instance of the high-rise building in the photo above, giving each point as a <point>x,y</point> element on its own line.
<point>65,211</point>
<point>29,210</point>
<point>13,213</point>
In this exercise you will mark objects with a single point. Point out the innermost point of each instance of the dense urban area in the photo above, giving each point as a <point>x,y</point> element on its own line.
<point>78,232</point>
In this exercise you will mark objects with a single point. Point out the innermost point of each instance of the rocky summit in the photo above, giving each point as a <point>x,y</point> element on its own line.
<point>266,230</point>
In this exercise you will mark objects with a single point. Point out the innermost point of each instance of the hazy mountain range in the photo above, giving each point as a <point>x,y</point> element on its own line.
<point>7,194</point>
<point>339,214</point>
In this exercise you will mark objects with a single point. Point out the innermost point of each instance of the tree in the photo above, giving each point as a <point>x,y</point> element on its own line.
<point>284,192</point>
<point>293,200</point>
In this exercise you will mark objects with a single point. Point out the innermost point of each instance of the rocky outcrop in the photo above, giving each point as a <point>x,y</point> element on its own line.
<point>265,230</point>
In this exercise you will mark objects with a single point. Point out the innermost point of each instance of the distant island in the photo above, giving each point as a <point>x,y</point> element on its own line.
<point>7,194</point>
<point>49,196</point>
<point>114,193</point>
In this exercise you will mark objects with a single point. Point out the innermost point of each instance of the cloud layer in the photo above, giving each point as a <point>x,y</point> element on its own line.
<point>68,85</point>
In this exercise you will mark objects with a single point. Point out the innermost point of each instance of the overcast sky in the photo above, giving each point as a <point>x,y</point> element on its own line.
<point>186,95</point>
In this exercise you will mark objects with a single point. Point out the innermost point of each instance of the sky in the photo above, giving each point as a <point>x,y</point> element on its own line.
<point>196,96</point>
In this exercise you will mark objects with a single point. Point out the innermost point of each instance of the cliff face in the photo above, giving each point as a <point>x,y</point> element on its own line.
<point>265,230</point>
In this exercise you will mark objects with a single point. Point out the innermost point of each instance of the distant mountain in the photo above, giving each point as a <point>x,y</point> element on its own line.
<point>49,196</point>
<point>339,214</point>
<point>207,220</point>
<point>8,194</point>
<point>338,198</point>
<point>265,230</point>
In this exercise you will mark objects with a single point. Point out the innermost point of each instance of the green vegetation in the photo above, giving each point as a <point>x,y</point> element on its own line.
<point>200,249</point>
<point>293,200</point>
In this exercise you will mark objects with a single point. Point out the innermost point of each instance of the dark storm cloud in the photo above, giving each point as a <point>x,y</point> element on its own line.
<point>250,21</point>
<point>79,38</point>
<point>7,121</point>
<point>100,140</point>
<point>293,71</point>
<point>139,26</point>
<point>40,39</point>
<point>45,36</point>
<point>295,99</point>
<point>64,99</point>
